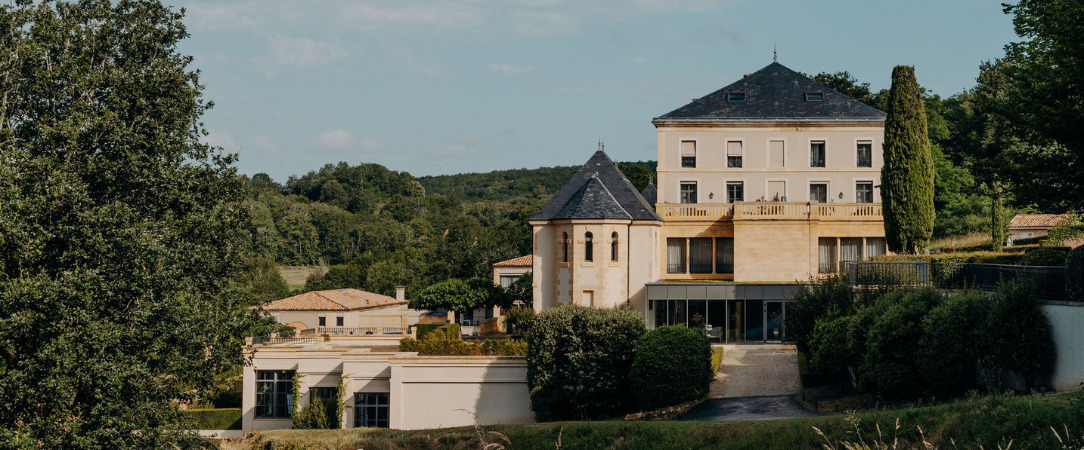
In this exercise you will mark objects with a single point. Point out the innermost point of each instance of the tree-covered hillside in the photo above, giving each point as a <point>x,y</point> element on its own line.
<point>501,185</point>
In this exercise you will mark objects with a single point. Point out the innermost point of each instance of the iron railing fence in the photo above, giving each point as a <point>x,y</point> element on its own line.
<point>1049,281</point>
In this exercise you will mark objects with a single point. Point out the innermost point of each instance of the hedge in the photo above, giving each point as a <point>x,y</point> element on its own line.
<point>672,365</point>
<point>982,257</point>
<point>578,362</point>
<point>450,329</point>
<point>459,347</point>
<point>213,419</point>
<point>1045,256</point>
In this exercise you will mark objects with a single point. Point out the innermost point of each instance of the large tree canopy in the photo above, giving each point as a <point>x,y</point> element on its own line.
<point>118,228</point>
<point>1044,101</point>
<point>908,173</point>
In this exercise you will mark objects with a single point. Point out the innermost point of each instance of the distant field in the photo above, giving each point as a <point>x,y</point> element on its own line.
<point>295,276</point>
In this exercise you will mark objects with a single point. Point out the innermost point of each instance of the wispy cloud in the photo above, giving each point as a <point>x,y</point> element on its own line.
<point>461,149</point>
<point>220,139</point>
<point>334,140</point>
<point>508,69</point>
<point>302,51</point>
<point>222,16</point>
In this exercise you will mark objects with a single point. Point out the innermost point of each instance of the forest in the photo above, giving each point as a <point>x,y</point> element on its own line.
<point>372,228</point>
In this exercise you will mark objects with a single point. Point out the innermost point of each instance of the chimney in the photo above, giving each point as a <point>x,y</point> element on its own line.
<point>400,293</point>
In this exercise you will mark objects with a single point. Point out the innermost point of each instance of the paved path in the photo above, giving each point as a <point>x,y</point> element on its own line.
<point>756,371</point>
<point>755,382</point>
<point>747,408</point>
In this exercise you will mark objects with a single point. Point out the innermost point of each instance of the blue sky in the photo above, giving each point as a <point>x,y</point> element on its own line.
<point>452,86</point>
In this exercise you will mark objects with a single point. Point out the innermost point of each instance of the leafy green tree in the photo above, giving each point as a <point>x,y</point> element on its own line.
<point>907,178</point>
<point>1044,101</point>
<point>461,296</point>
<point>119,231</point>
<point>262,277</point>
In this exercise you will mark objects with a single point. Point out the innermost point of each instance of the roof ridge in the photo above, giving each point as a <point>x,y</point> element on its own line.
<point>607,190</point>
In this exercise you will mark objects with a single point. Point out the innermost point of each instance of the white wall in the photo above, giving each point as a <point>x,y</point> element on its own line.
<point>1065,326</point>
<point>450,391</point>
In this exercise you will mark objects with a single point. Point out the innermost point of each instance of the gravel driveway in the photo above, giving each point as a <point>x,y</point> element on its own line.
<point>756,371</point>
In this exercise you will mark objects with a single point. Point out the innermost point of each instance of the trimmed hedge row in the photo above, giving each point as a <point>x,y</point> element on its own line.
<point>985,257</point>
<point>578,362</point>
<point>672,365</point>
<point>450,347</point>
<point>908,343</point>
<point>213,419</point>
<point>449,329</point>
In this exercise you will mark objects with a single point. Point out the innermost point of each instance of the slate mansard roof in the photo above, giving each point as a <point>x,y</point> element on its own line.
<point>597,191</point>
<point>773,93</point>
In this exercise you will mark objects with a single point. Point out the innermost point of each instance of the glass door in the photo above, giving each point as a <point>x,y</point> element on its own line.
<point>773,317</point>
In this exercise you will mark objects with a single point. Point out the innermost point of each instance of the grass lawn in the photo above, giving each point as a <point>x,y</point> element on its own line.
<point>986,421</point>
<point>295,276</point>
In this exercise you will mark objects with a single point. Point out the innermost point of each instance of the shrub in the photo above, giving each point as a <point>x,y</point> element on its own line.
<point>829,347</point>
<point>578,361</point>
<point>1075,276</point>
<point>316,415</point>
<point>672,365</point>
<point>213,419</point>
<point>1045,256</point>
<point>1058,235</point>
<point>889,363</point>
<point>834,296</point>
<point>1018,333</point>
<point>953,339</point>
<point>448,330</point>
<point>518,320</point>
<point>458,347</point>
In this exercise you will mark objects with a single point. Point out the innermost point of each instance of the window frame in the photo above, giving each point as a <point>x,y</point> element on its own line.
<point>857,156</point>
<point>735,96</point>
<point>681,192</point>
<point>826,185</point>
<point>588,247</point>
<point>684,260</point>
<point>814,96</point>
<point>281,389</point>
<point>824,152</point>
<point>613,247</point>
<point>740,184</point>
<point>695,156</point>
<point>364,402</point>
<point>564,245</point>
<point>858,183</point>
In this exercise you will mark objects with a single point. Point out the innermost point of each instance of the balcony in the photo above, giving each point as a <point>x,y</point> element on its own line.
<point>700,212</point>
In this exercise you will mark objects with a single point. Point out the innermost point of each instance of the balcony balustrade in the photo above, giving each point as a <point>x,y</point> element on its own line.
<point>699,212</point>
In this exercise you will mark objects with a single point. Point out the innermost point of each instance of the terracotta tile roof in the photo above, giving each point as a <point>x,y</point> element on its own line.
<point>1041,220</point>
<point>333,300</point>
<point>522,261</point>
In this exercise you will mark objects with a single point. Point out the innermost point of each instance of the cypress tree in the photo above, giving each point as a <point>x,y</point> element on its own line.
<point>908,172</point>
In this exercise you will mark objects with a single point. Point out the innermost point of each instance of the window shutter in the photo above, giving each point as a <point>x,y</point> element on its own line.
<point>688,148</point>
<point>733,148</point>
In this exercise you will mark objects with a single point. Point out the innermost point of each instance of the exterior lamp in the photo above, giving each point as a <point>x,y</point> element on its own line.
<point>841,196</point>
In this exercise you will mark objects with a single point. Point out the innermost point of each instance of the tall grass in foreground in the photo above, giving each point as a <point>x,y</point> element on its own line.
<point>979,422</point>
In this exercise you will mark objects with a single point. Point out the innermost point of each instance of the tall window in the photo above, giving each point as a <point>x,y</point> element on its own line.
<point>735,191</point>
<point>863,192</point>
<point>874,247</point>
<point>274,393</point>
<point>688,153</point>
<point>339,321</point>
<point>818,192</point>
<point>826,252</point>
<point>588,247</point>
<point>688,192</point>
<point>564,246</point>
<point>675,255</point>
<point>613,246</point>
<point>850,249</point>
<point>733,153</point>
<point>816,154</point>
<point>322,321</point>
<point>724,255</point>
<point>700,255</point>
<point>865,154</point>
<point>507,280</point>
<point>371,409</point>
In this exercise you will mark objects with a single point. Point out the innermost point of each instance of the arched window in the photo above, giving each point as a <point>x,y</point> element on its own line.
<point>564,246</point>
<point>588,247</point>
<point>613,246</point>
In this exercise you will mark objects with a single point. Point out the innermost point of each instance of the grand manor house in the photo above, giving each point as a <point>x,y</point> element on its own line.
<point>767,182</point>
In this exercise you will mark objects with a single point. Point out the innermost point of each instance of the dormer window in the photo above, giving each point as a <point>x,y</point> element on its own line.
<point>814,96</point>
<point>735,97</point>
